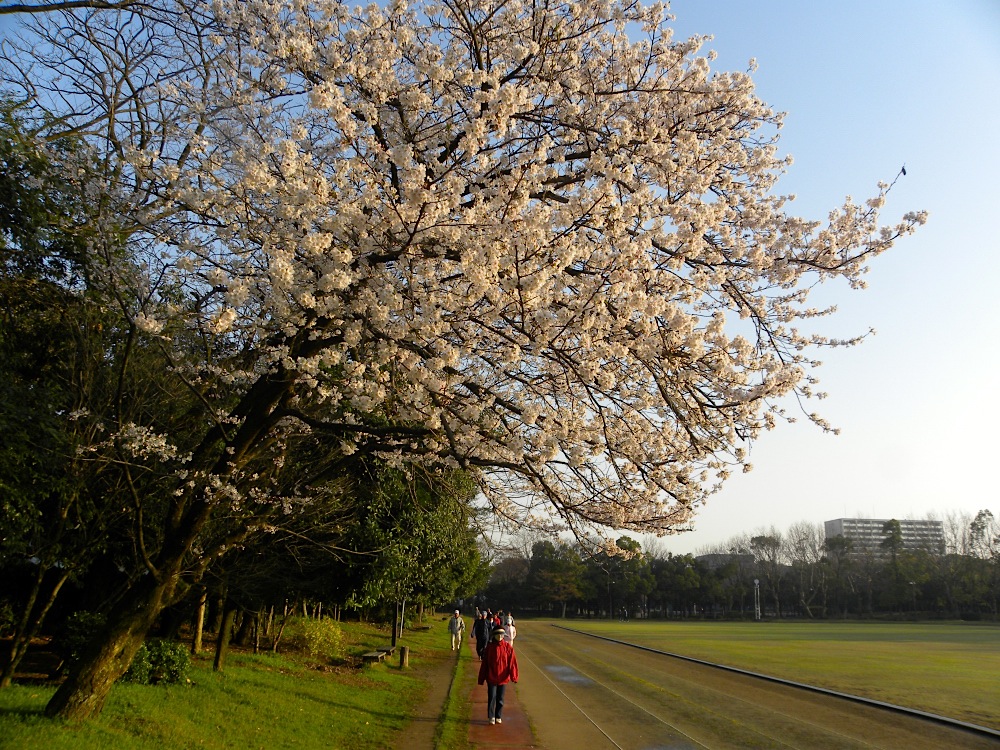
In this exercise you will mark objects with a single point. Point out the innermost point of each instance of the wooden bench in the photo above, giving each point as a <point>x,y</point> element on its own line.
<point>378,654</point>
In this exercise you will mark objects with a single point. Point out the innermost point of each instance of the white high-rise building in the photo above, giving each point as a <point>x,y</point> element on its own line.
<point>867,534</point>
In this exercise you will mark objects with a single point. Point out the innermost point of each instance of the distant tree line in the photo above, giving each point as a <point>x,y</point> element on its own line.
<point>797,573</point>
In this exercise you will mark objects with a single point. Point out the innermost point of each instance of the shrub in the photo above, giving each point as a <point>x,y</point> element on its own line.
<point>140,668</point>
<point>170,661</point>
<point>159,661</point>
<point>78,630</point>
<point>6,619</point>
<point>323,638</point>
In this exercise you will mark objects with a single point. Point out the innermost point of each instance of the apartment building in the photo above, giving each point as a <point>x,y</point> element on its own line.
<point>867,534</point>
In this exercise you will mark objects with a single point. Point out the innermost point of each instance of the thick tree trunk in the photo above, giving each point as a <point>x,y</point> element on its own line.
<point>84,692</point>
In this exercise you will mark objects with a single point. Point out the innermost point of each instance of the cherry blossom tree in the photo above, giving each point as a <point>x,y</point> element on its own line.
<point>539,242</point>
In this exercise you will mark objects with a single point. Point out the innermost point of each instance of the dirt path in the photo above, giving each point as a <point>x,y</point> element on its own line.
<point>436,671</point>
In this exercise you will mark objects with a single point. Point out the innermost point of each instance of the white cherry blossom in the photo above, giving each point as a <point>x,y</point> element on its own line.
<point>540,242</point>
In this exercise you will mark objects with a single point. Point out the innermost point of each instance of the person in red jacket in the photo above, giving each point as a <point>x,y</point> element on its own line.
<point>499,666</point>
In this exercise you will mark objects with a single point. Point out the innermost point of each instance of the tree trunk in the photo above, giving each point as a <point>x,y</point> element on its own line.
<point>244,631</point>
<point>84,692</point>
<point>218,610</point>
<point>199,621</point>
<point>27,626</point>
<point>281,628</point>
<point>222,642</point>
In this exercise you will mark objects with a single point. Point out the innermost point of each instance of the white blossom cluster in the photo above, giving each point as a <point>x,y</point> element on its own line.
<point>538,241</point>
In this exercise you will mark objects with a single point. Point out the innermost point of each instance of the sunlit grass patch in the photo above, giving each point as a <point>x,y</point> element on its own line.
<point>263,700</point>
<point>945,668</point>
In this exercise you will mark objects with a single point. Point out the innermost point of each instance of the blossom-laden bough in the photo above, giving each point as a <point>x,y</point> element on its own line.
<point>539,241</point>
<point>524,232</point>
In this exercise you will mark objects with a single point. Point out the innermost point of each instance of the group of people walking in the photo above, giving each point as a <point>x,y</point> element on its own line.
<point>487,624</point>
<point>494,634</point>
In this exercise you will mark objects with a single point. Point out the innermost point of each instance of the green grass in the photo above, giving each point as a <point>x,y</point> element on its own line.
<point>951,669</point>
<point>453,727</point>
<point>260,701</point>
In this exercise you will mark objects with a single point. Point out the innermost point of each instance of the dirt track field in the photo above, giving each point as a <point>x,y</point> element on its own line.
<point>581,692</point>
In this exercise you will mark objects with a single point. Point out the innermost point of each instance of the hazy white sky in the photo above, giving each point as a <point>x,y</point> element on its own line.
<point>869,86</point>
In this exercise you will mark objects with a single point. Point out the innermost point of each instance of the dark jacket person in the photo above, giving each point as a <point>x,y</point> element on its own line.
<point>481,632</point>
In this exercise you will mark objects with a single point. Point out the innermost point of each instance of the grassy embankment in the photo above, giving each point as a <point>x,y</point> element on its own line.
<point>259,701</point>
<point>950,669</point>
<point>453,727</point>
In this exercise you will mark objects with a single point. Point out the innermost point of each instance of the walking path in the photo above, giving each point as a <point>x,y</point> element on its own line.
<point>513,732</point>
<point>436,669</point>
<point>439,672</point>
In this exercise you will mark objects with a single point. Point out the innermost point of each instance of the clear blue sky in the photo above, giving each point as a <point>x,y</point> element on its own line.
<point>869,86</point>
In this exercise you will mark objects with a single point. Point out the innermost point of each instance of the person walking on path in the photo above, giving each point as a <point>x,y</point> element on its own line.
<point>456,626</point>
<point>499,666</point>
<point>481,632</point>
<point>510,633</point>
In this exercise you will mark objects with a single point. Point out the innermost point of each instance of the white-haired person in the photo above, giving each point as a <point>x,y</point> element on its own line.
<point>456,626</point>
<point>510,633</point>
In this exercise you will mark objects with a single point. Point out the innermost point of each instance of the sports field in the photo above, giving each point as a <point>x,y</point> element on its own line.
<point>951,669</point>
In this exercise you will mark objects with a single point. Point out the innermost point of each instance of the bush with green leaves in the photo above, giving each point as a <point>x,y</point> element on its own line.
<point>77,631</point>
<point>159,661</point>
<point>323,638</point>
<point>140,668</point>
<point>6,619</point>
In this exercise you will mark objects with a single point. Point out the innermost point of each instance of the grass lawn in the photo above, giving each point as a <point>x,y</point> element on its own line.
<point>259,701</point>
<point>951,669</point>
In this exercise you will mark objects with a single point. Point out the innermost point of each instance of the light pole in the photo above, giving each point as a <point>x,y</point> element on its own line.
<point>756,598</point>
<point>610,614</point>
